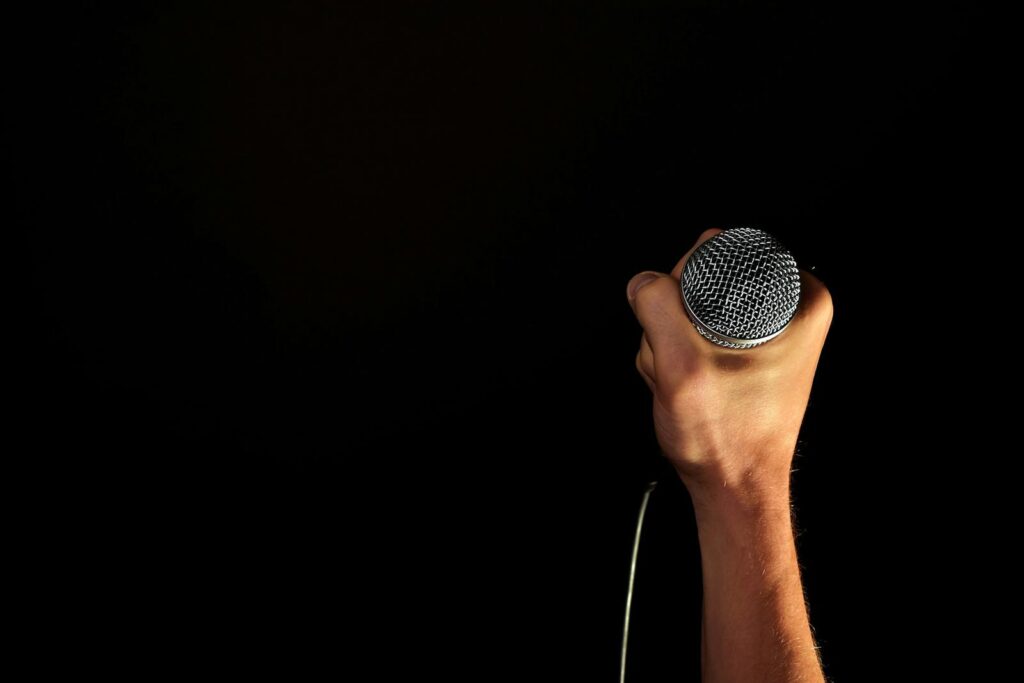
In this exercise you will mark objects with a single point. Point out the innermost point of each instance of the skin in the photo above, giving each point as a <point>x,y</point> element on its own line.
<point>728,421</point>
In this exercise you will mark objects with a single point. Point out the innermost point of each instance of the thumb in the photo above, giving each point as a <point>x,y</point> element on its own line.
<point>637,281</point>
<point>657,303</point>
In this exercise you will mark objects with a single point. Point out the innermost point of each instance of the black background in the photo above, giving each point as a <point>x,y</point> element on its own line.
<point>331,363</point>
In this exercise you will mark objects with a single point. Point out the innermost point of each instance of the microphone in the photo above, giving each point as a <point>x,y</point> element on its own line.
<point>741,288</point>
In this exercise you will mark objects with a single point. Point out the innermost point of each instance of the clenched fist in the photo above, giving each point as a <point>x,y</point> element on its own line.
<point>727,419</point>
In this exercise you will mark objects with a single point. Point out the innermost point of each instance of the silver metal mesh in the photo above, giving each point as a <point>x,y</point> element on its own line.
<point>741,288</point>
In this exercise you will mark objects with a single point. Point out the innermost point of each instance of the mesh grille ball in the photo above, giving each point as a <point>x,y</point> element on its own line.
<point>741,288</point>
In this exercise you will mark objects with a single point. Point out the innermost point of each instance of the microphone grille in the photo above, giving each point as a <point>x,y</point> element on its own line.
<point>741,288</point>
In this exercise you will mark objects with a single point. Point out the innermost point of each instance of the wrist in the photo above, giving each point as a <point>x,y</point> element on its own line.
<point>744,527</point>
<point>761,495</point>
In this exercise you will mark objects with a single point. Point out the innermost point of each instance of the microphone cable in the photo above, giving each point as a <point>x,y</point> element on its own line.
<point>632,577</point>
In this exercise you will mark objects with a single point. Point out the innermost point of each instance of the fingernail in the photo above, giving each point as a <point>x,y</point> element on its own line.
<point>639,281</point>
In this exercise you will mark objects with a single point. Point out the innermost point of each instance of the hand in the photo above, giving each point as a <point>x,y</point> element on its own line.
<point>727,419</point>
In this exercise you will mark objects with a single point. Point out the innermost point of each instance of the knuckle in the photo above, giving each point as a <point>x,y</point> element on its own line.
<point>826,303</point>
<point>818,299</point>
<point>645,362</point>
<point>823,306</point>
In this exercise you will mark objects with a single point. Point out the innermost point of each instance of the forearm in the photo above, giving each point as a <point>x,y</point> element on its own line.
<point>755,619</point>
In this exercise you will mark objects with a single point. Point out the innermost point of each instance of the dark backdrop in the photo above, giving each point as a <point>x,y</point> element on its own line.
<point>331,361</point>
